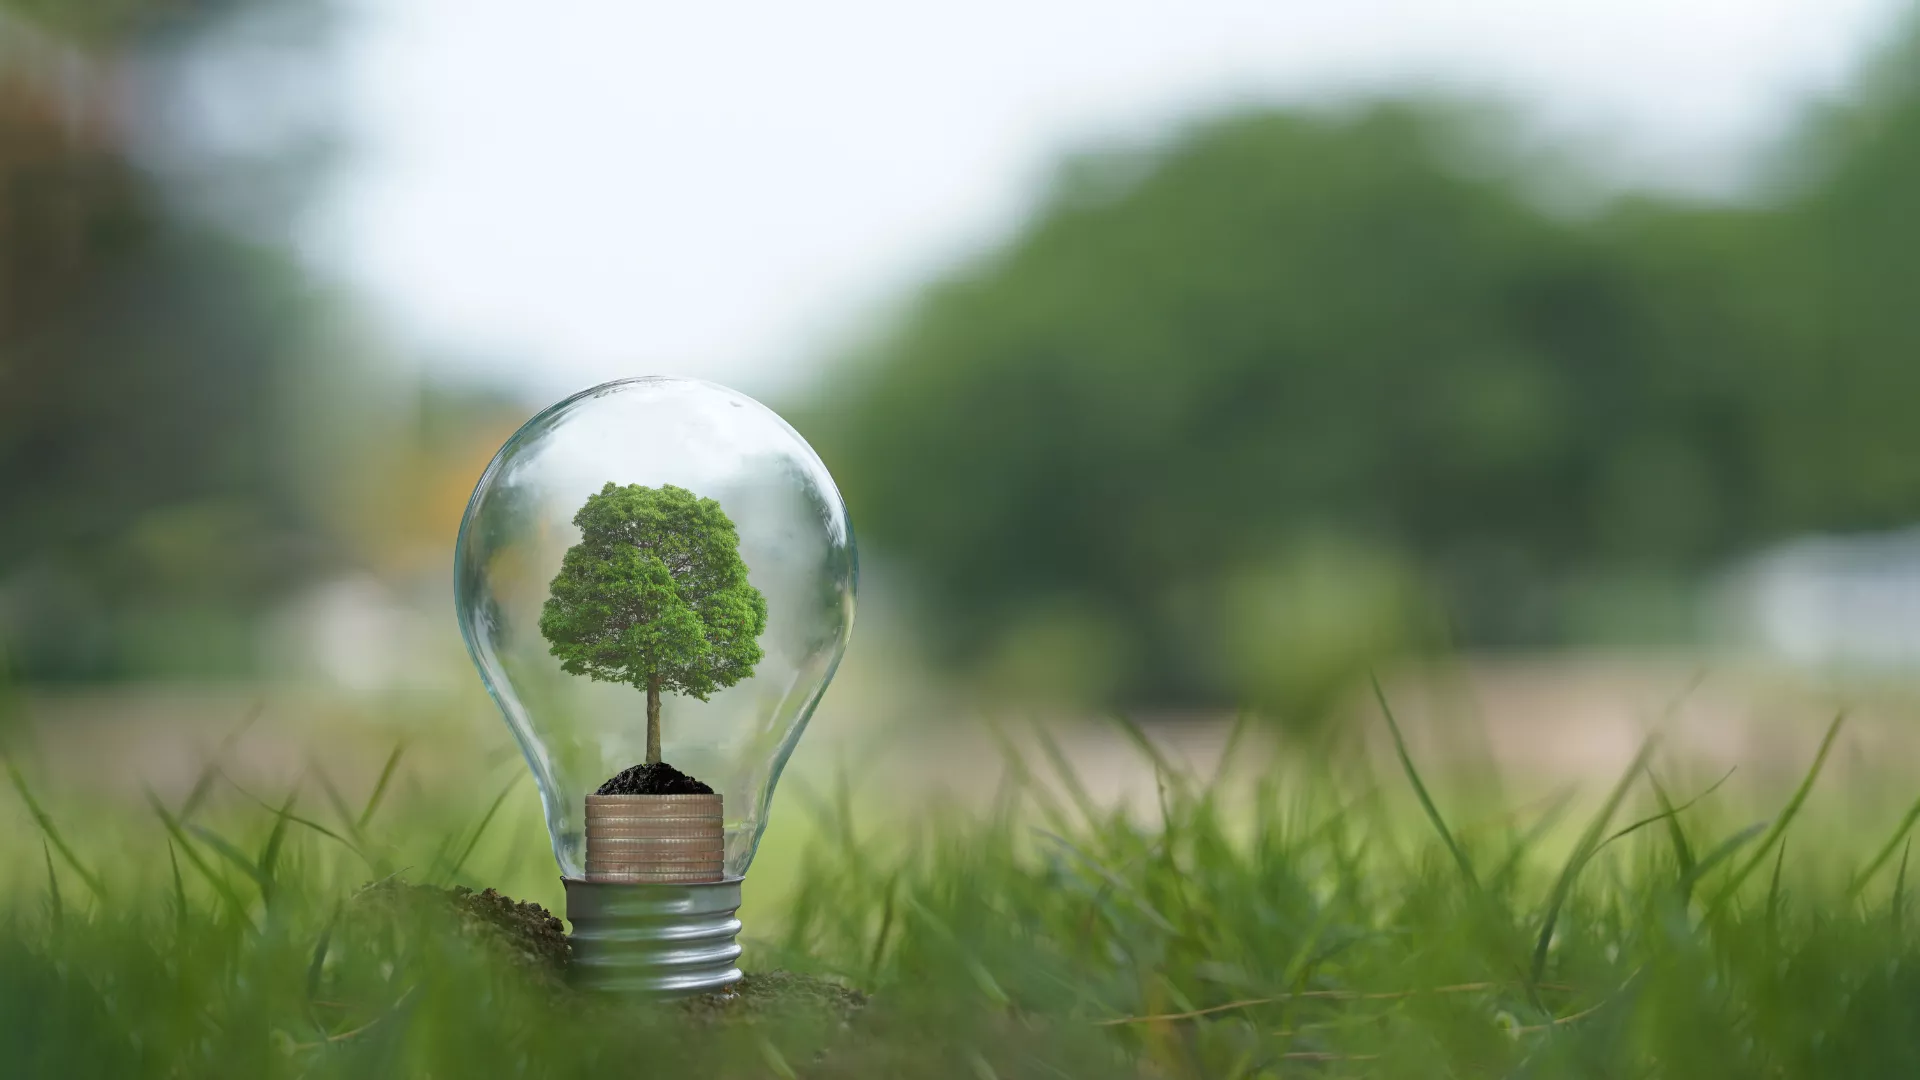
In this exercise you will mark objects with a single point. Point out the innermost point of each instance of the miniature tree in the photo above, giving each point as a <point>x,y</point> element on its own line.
<point>655,596</point>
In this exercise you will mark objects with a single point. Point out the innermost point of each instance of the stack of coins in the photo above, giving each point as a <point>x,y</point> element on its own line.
<point>642,838</point>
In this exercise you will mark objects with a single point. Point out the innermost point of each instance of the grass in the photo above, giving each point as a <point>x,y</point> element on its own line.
<point>1278,921</point>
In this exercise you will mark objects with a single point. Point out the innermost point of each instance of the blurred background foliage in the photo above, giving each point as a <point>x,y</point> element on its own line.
<point>189,428</point>
<point>1234,415</point>
<point>1294,389</point>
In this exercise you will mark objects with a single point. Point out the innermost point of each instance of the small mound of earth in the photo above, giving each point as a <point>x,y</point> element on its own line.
<point>534,933</point>
<point>537,943</point>
<point>532,937</point>
<point>661,779</point>
<point>765,993</point>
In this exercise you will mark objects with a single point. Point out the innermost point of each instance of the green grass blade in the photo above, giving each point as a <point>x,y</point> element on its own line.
<point>348,819</point>
<point>1779,828</point>
<point>179,892</point>
<point>220,884</point>
<point>1420,787</point>
<point>1900,888</point>
<point>1549,817</point>
<point>1307,951</point>
<point>286,814</point>
<point>1720,853</point>
<point>1886,851</point>
<point>481,829</point>
<point>1773,890</point>
<point>197,794</point>
<point>775,1062</point>
<point>886,926</point>
<point>1676,836</point>
<point>1669,813</point>
<point>52,833</point>
<point>380,786</point>
<point>1137,735</point>
<point>317,964</point>
<point>1667,809</point>
<point>1114,882</point>
<point>1243,721</point>
<point>231,852</point>
<point>203,784</point>
<point>843,813</point>
<point>54,907</point>
<point>270,851</point>
<point>1069,776</point>
<point>1590,842</point>
<point>326,832</point>
<point>1020,778</point>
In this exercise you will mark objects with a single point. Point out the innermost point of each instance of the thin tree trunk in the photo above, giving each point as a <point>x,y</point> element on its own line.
<point>653,722</point>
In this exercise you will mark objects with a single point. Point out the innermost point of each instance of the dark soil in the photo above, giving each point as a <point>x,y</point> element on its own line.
<point>784,993</point>
<point>532,932</point>
<point>530,935</point>
<point>661,779</point>
<point>536,941</point>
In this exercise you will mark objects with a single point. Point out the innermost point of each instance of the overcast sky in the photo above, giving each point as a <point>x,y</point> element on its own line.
<point>562,193</point>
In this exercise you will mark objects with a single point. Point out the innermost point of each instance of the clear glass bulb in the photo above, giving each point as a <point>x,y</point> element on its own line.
<point>794,539</point>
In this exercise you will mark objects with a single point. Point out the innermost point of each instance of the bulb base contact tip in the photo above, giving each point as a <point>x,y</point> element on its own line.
<point>654,939</point>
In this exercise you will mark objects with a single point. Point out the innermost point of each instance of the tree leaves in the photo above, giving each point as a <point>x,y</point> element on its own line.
<point>655,590</point>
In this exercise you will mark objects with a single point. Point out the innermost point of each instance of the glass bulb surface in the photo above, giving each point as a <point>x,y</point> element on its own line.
<point>794,538</point>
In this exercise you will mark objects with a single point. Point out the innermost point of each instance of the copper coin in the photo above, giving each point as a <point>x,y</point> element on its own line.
<point>640,847</point>
<point>684,821</point>
<point>668,866</point>
<point>665,866</point>
<point>658,828</point>
<point>663,842</point>
<point>712,835</point>
<point>639,858</point>
<point>623,813</point>
<point>657,879</point>
<point>642,819</point>
<point>630,861</point>
<point>650,803</point>
<point>649,855</point>
<point>646,873</point>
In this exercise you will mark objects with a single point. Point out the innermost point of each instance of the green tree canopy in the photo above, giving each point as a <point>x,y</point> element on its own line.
<point>655,595</point>
<point>1211,374</point>
<point>1276,335</point>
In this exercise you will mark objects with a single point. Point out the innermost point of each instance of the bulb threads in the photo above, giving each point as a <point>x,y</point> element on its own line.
<point>655,939</point>
<point>645,839</point>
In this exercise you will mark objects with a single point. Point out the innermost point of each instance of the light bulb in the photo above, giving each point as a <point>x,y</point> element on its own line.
<point>677,471</point>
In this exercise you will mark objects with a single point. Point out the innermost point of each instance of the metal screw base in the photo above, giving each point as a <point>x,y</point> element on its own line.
<point>654,939</point>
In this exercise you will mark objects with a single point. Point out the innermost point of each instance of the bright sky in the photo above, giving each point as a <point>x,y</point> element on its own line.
<point>568,192</point>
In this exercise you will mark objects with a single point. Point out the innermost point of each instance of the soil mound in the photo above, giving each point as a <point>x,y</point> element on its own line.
<point>661,779</point>
<point>532,937</point>
<point>536,941</point>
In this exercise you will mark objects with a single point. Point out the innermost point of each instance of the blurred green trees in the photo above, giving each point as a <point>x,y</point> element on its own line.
<point>154,371</point>
<point>1233,416</point>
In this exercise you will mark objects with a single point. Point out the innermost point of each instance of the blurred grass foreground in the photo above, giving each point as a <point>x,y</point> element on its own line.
<point>1292,915</point>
